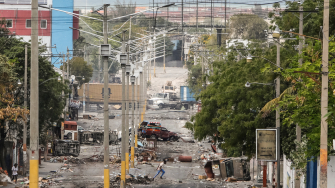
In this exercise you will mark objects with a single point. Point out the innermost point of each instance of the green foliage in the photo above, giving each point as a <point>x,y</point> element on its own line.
<point>312,21</point>
<point>304,106</point>
<point>299,158</point>
<point>80,68</point>
<point>51,102</point>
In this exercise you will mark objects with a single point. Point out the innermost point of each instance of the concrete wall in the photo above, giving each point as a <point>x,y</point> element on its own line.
<point>61,34</point>
<point>289,175</point>
<point>330,172</point>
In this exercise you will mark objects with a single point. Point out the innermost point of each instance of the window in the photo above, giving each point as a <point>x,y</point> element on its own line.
<point>43,24</point>
<point>28,23</point>
<point>9,23</point>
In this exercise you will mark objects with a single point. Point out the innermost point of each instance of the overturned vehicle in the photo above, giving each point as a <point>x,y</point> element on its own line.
<point>97,137</point>
<point>66,147</point>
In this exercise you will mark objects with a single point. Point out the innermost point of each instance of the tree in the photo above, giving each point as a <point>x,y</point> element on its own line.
<point>51,102</point>
<point>80,69</point>
<point>247,26</point>
<point>9,112</point>
<point>312,21</point>
<point>302,105</point>
<point>230,112</point>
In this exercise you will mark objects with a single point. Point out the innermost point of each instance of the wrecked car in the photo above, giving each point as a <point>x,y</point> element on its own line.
<point>159,132</point>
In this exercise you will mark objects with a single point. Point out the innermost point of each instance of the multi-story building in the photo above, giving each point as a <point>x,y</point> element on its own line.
<point>53,26</point>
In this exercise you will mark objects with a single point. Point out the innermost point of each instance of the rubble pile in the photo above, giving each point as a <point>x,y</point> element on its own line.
<point>130,179</point>
<point>147,156</point>
<point>114,159</point>
<point>74,160</point>
<point>4,176</point>
<point>66,168</point>
<point>95,158</point>
<point>42,182</point>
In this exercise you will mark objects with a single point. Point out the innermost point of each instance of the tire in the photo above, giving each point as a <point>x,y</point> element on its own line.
<point>153,137</point>
<point>116,142</point>
<point>160,106</point>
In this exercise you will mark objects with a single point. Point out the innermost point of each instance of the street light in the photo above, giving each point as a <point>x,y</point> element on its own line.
<point>249,58</point>
<point>276,33</point>
<point>123,62</point>
<point>248,84</point>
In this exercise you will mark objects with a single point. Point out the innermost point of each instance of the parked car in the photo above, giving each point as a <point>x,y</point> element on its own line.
<point>159,132</point>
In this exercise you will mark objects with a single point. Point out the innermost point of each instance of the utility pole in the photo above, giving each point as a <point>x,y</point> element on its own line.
<point>197,14</point>
<point>106,108</point>
<point>84,105</point>
<point>128,69</point>
<point>127,115</point>
<point>211,15</point>
<point>34,99</point>
<point>64,111</point>
<point>99,72</point>
<point>68,64</point>
<point>278,116</point>
<point>301,25</point>
<point>164,55</point>
<point>298,128</point>
<point>138,96</point>
<point>182,16</point>
<point>67,98</point>
<point>154,53</point>
<point>123,140</point>
<point>324,98</point>
<point>25,108</point>
<point>132,79</point>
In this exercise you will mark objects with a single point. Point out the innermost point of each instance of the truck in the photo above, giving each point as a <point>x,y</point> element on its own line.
<point>94,93</point>
<point>171,90</point>
<point>159,132</point>
<point>163,100</point>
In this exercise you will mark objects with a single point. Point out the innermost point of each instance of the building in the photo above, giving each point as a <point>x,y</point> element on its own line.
<point>54,30</point>
<point>18,15</point>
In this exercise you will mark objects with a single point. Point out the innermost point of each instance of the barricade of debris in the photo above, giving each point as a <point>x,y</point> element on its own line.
<point>95,158</point>
<point>4,178</point>
<point>130,180</point>
<point>42,182</point>
<point>74,160</point>
<point>114,159</point>
<point>147,155</point>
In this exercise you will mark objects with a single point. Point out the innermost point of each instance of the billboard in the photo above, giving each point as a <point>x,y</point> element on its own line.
<point>266,144</point>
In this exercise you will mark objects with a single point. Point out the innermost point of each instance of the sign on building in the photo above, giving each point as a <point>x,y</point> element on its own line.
<point>266,144</point>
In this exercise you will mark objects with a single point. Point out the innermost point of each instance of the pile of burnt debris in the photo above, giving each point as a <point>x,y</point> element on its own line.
<point>130,180</point>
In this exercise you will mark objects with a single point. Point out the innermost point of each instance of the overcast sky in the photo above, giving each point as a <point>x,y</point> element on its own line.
<point>98,3</point>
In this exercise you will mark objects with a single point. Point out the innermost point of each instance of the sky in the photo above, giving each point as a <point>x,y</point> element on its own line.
<point>99,3</point>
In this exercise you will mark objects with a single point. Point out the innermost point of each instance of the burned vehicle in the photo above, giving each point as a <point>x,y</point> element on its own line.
<point>159,132</point>
<point>97,137</point>
<point>66,147</point>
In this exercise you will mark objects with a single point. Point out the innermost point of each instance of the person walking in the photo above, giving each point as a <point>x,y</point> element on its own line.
<point>14,172</point>
<point>160,169</point>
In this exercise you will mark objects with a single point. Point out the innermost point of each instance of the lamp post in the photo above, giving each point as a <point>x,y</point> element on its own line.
<point>123,61</point>
<point>128,69</point>
<point>132,80</point>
